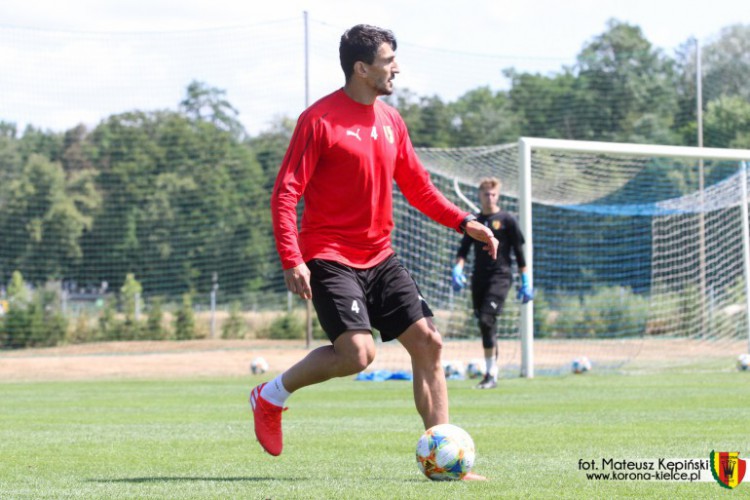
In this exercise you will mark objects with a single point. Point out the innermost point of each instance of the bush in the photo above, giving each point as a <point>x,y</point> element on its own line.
<point>17,324</point>
<point>568,320</point>
<point>615,312</point>
<point>286,327</point>
<point>154,329</point>
<point>292,326</point>
<point>542,315</point>
<point>82,331</point>
<point>32,321</point>
<point>130,295</point>
<point>184,323</point>
<point>109,327</point>
<point>48,325</point>
<point>16,328</point>
<point>234,326</point>
<point>607,312</point>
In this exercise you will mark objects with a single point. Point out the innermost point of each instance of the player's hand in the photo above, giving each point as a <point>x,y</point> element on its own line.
<point>525,292</point>
<point>297,281</point>
<point>458,278</point>
<point>482,233</point>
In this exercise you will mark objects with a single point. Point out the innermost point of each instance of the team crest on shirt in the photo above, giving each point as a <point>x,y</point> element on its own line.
<point>388,131</point>
<point>496,224</point>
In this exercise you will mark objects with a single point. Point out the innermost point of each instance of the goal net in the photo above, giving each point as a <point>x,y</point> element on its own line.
<point>633,261</point>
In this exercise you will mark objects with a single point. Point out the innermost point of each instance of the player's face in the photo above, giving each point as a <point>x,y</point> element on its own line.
<point>383,70</point>
<point>489,199</point>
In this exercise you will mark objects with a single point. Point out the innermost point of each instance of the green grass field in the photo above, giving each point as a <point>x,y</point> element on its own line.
<point>347,439</point>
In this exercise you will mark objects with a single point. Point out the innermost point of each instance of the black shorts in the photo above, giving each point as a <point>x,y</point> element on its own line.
<point>384,297</point>
<point>488,292</point>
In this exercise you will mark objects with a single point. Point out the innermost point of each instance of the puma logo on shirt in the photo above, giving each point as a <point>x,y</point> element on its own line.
<point>354,134</point>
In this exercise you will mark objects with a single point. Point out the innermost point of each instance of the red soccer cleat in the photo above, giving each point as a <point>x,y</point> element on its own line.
<point>267,418</point>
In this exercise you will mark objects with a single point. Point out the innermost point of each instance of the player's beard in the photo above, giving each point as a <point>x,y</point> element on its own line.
<point>385,87</point>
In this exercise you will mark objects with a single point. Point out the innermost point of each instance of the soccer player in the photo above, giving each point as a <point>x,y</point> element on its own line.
<point>345,153</point>
<point>492,278</point>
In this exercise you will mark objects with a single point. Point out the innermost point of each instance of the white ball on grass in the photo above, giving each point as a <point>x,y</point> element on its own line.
<point>258,366</point>
<point>580,365</point>
<point>743,362</point>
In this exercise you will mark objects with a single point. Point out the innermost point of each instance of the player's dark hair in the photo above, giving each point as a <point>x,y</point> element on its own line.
<point>361,43</point>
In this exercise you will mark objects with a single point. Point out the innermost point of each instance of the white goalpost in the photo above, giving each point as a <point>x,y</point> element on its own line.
<point>631,263</point>
<point>528,145</point>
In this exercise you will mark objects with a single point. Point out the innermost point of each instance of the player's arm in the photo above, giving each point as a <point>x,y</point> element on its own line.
<point>525,291</point>
<point>458,277</point>
<point>414,181</point>
<point>295,172</point>
<point>516,243</point>
<point>483,234</point>
<point>463,249</point>
<point>297,280</point>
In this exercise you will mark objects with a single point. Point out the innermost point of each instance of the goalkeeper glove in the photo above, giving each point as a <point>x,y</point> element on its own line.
<point>525,293</point>
<point>458,278</point>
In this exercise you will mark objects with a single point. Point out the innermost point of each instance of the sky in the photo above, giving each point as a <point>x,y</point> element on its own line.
<point>79,60</point>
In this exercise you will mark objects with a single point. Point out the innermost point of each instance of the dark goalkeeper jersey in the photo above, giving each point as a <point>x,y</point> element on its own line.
<point>343,158</point>
<point>505,228</point>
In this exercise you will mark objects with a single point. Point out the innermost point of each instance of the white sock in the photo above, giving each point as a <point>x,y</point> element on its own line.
<point>275,393</point>
<point>491,367</point>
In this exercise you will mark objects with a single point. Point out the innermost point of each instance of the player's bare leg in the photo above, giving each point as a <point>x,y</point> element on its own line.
<point>350,353</point>
<point>424,344</point>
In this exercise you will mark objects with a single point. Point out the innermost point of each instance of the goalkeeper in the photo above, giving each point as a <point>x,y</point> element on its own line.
<point>492,279</point>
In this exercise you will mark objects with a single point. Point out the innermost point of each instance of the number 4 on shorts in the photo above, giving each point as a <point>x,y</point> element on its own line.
<point>355,306</point>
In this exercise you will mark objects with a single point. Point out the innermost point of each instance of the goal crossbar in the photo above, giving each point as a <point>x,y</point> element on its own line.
<point>635,149</point>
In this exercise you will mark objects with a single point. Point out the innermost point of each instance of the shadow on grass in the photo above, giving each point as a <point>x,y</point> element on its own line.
<point>159,479</point>
<point>166,479</point>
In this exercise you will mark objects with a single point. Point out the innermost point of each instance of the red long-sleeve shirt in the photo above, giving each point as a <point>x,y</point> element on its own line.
<point>343,157</point>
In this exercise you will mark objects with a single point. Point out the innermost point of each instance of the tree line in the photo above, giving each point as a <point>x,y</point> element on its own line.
<point>179,197</point>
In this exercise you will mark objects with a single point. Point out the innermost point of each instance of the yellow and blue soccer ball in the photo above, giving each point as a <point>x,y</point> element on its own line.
<point>475,368</point>
<point>454,370</point>
<point>445,452</point>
